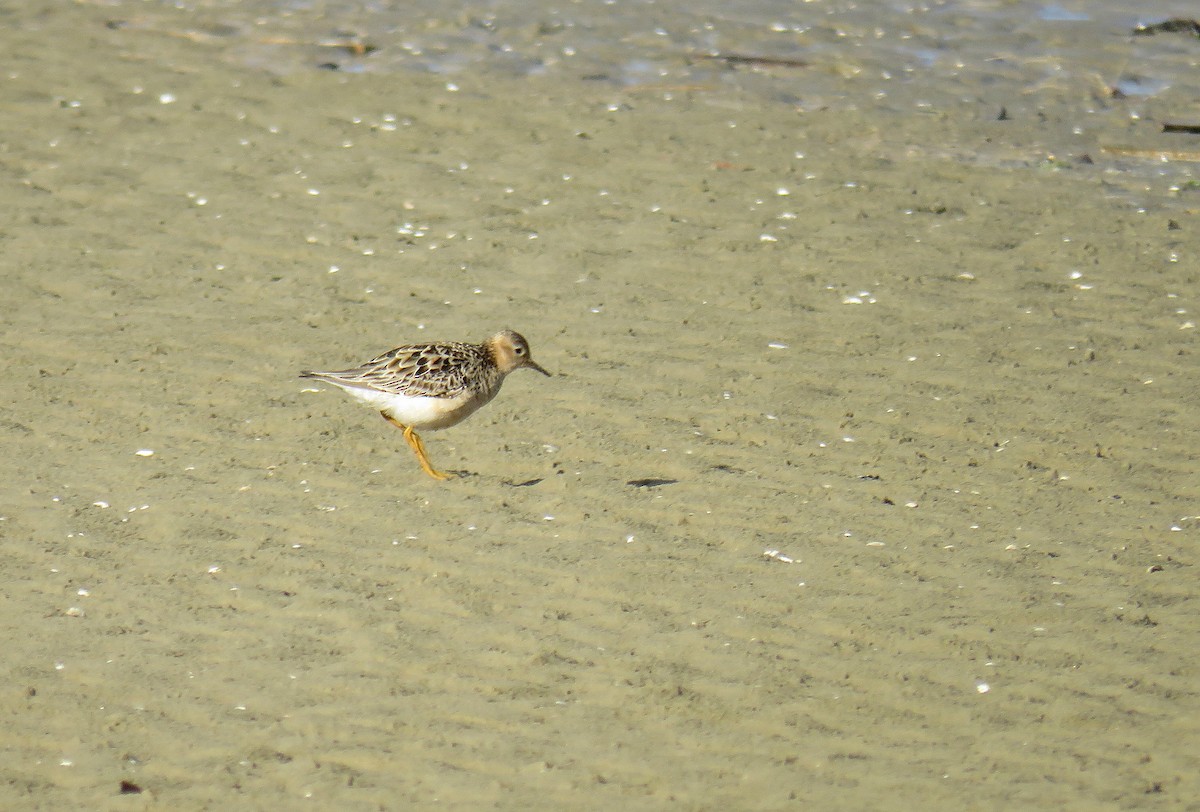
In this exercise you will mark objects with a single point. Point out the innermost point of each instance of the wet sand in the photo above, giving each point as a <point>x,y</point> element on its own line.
<point>955,403</point>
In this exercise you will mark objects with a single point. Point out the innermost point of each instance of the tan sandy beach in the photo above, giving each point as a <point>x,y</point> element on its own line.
<point>867,478</point>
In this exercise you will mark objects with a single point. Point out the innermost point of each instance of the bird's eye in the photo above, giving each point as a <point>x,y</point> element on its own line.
<point>519,350</point>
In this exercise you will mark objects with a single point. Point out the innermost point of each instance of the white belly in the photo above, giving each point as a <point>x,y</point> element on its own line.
<point>422,412</point>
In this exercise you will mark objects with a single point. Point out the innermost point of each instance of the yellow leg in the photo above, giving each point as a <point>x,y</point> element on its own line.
<point>414,442</point>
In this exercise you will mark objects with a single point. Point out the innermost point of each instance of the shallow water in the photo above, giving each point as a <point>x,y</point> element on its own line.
<point>910,391</point>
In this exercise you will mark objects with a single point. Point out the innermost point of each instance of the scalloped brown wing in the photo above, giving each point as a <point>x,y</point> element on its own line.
<point>424,370</point>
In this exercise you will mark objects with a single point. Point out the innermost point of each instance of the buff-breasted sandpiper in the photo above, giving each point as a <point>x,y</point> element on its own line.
<point>433,386</point>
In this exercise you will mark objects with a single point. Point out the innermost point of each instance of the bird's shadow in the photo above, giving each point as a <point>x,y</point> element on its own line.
<point>526,484</point>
